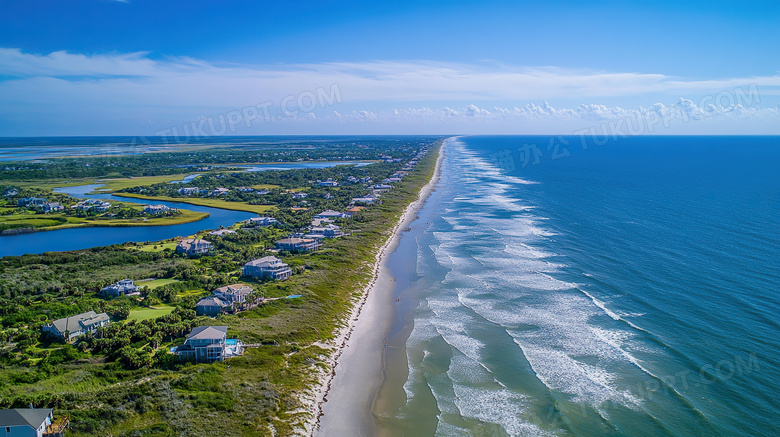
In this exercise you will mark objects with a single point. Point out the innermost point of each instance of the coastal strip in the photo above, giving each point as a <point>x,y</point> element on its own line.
<point>343,401</point>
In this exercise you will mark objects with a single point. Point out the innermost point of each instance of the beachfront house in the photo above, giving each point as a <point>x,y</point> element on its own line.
<point>157,209</point>
<point>267,267</point>
<point>211,306</point>
<point>193,246</point>
<point>331,214</point>
<point>207,344</point>
<point>327,231</point>
<point>125,286</point>
<point>382,188</point>
<point>77,325</point>
<point>236,293</point>
<point>296,244</point>
<point>32,422</point>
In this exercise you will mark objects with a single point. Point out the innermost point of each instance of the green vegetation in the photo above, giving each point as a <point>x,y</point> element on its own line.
<point>27,219</point>
<point>123,381</point>
<point>150,313</point>
<point>214,203</point>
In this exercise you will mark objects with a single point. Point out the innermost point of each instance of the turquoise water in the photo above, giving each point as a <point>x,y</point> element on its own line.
<point>627,288</point>
<point>231,341</point>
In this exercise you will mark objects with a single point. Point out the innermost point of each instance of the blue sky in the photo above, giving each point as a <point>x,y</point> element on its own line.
<point>100,67</point>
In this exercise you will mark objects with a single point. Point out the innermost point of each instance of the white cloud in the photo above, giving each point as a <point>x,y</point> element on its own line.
<point>61,87</point>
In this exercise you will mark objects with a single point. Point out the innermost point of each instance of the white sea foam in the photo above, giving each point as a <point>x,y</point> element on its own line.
<point>498,273</point>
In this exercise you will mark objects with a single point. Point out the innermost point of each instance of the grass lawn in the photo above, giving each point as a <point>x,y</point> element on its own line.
<point>155,247</point>
<point>151,312</point>
<point>213,203</point>
<point>264,187</point>
<point>156,283</point>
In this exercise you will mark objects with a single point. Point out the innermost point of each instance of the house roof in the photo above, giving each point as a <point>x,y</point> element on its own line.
<point>211,301</point>
<point>266,260</point>
<point>74,323</point>
<point>330,213</point>
<point>208,333</point>
<point>237,288</point>
<point>33,417</point>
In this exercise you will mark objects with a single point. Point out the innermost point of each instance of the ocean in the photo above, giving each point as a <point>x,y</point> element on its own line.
<point>590,287</point>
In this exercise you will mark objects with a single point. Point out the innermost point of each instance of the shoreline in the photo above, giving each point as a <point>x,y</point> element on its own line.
<point>4,233</point>
<point>362,328</point>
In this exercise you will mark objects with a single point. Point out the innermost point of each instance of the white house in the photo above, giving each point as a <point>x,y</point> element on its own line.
<point>234,293</point>
<point>331,214</point>
<point>193,246</point>
<point>187,191</point>
<point>157,209</point>
<point>261,221</point>
<point>267,267</point>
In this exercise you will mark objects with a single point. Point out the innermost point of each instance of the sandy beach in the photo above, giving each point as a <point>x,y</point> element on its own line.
<point>343,402</point>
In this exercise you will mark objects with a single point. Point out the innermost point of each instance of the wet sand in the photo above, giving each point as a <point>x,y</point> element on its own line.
<point>345,401</point>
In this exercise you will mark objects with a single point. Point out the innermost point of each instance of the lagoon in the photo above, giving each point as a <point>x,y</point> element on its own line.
<point>84,238</point>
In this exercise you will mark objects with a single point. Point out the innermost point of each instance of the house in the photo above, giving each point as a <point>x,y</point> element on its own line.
<point>52,207</point>
<point>193,246</point>
<point>365,180</point>
<point>329,183</point>
<point>237,292</point>
<point>210,306</point>
<point>296,244</point>
<point>32,422</point>
<point>391,180</point>
<point>320,222</point>
<point>207,344</point>
<point>34,202</point>
<point>327,196</point>
<point>261,221</point>
<point>331,214</point>
<point>157,209</point>
<point>187,191</point>
<point>381,188</point>
<point>366,200</point>
<point>219,191</point>
<point>352,179</point>
<point>299,195</point>
<point>77,325</point>
<point>329,231</point>
<point>222,232</point>
<point>125,286</point>
<point>11,192</point>
<point>267,267</point>
<point>94,204</point>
